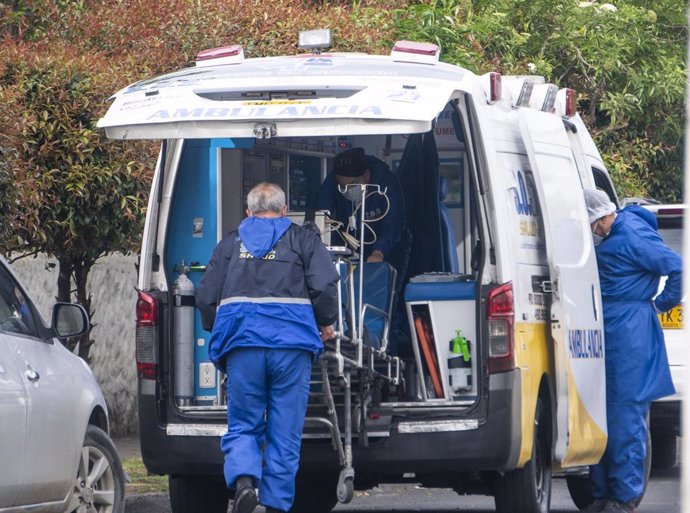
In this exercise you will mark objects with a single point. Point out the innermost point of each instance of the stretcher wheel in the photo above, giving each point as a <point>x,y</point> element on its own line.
<point>346,486</point>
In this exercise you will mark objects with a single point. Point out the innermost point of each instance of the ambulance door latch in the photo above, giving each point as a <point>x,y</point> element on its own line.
<point>265,130</point>
<point>546,286</point>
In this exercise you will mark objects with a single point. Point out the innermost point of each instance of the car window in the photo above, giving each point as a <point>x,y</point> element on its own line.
<point>671,230</point>
<point>15,311</point>
<point>603,182</point>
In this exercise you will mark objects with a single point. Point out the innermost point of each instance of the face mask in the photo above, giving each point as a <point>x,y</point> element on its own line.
<point>353,194</point>
<point>595,236</point>
<point>598,239</point>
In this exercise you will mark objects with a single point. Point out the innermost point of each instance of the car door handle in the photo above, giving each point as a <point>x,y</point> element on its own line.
<point>32,375</point>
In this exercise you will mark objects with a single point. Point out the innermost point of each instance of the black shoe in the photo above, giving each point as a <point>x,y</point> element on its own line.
<point>596,507</point>
<point>245,496</point>
<point>269,509</point>
<point>619,507</point>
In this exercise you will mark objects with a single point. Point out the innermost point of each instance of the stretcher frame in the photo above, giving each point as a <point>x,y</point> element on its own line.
<point>349,353</point>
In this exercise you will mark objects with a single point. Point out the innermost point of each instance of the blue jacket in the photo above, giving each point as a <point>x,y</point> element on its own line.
<point>267,284</point>
<point>391,230</point>
<point>631,261</point>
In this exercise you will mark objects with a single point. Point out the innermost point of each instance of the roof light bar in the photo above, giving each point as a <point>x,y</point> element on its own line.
<point>412,51</point>
<point>525,93</point>
<point>315,39</point>
<point>544,97</point>
<point>221,55</point>
<point>518,89</point>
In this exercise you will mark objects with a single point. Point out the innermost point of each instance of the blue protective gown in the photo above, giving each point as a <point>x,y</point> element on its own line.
<point>266,288</point>
<point>631,261</point>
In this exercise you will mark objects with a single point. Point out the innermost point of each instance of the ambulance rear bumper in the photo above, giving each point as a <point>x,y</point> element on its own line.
<point>433,444</point>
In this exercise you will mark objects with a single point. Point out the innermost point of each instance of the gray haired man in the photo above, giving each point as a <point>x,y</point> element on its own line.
<point>269,298</point>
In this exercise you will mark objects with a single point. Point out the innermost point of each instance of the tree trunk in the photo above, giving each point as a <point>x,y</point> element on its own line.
<point>81,278</point>
<point>80,271</point>
<point>64,285</point>
<point>64,281</point>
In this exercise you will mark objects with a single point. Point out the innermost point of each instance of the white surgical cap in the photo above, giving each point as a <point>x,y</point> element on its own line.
<point>598,204</point>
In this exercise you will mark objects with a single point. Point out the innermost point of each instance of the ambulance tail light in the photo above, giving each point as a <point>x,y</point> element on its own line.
<point>670,212</point>
<point>492,84</point>
<point>146,336</point>
<point>222,55</point>
<point>566,102</point>
<point>501,318</point>
<point>412,51</point>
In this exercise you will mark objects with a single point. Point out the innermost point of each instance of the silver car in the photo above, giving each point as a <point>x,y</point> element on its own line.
<point>55,453</point>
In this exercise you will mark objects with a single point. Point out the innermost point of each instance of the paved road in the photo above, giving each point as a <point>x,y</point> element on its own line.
<point>663,496</point>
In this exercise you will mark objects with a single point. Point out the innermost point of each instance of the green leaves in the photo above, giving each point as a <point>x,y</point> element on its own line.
<point>79,195</point>
<point>626,61</point>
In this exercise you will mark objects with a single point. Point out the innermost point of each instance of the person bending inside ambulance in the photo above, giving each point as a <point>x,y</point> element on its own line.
<point>267,289</point>
<point>632,258</point>
<point>388,237</point>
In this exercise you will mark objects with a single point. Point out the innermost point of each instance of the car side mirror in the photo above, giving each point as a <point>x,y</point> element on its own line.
<point>69,320</point>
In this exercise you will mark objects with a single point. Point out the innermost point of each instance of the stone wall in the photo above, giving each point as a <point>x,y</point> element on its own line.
<point>112,284</point>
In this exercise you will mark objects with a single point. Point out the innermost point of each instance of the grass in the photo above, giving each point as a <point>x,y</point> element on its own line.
<point>140,480</point>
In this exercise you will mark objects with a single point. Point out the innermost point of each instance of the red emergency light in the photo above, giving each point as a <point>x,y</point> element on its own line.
<point>413,51</point>
<point>232,53</point>
<point>495,86</point>
<point>570,102</point>
<point>415,47</point>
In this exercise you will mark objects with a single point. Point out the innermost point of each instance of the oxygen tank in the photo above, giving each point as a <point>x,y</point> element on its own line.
<point>183,338</point>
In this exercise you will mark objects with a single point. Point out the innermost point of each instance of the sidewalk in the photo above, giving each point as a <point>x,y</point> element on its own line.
<point>128,447</point>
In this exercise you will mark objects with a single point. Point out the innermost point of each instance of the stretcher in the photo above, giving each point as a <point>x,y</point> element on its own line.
<point>356,363</point>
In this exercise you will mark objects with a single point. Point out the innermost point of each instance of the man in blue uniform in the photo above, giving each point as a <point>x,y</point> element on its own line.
<point>267,289</point>
<point>632,258</point>
<point>388,238</point>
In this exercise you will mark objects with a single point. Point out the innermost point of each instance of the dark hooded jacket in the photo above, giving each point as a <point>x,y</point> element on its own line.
<point>267,284</point>
<point>390,229</point>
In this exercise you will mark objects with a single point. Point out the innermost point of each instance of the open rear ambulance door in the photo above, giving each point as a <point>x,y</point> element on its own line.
<point>576,316</point>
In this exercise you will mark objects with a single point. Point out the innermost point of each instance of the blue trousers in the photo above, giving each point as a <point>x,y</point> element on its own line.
<point>268,390</point>
<point>620,473</point>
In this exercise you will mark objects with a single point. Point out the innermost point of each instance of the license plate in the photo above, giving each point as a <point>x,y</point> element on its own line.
<point>673,319</point>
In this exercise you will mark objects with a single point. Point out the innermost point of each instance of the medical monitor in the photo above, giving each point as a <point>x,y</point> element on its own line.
<point>318,217</point>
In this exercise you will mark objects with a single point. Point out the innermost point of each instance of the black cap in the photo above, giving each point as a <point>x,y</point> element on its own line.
<point>350,163</point>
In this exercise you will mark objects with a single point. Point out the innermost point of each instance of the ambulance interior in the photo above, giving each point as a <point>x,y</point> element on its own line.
<point>433,325</point>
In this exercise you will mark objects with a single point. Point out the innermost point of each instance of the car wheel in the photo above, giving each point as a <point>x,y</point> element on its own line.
<point>193,494</point>
<point>100,483</point>
<point>315,494</point>
<point>578,485</point>
<point>664,449</point>
<point>528,489</point>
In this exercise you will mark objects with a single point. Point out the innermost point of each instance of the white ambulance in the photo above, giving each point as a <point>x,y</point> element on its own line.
<point>503,161</point>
